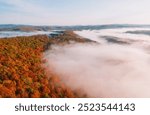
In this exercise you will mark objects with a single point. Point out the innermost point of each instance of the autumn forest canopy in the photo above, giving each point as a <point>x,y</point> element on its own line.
<point>22,70</point>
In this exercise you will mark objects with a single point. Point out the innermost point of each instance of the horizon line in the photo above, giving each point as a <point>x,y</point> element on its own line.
<point>77,24</point>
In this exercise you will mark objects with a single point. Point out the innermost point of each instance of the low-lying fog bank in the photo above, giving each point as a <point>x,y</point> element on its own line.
<point>9,34</point>
<point>108,69</point>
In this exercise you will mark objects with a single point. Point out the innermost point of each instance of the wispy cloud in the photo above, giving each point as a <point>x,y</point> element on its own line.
<point>72,12</point>
<point>21,11</point>
<point>24,6</point>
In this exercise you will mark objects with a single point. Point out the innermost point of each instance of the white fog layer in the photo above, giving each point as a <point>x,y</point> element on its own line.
<point>119,66</point>
<point>9,34</point>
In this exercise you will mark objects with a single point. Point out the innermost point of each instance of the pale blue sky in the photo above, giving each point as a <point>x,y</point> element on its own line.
<point>74,12</point>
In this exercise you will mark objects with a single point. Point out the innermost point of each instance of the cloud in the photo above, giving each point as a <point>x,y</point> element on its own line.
<point>22,5</point>
<point>26,7</point>
<point>102,71</point>
<point>105,70</point>
<point>67,12</point>
<point>25,12</point>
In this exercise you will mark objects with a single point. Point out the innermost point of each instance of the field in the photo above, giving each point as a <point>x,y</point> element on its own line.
<point>22,74</point>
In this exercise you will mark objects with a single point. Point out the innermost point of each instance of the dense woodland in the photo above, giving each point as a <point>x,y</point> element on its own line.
<point>21,72</point>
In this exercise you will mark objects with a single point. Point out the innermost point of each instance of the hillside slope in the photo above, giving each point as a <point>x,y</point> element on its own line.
<point>21,71</point>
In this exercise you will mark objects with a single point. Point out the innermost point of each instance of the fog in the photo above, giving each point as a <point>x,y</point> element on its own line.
<point>107,69</point>
<point>9,34</point>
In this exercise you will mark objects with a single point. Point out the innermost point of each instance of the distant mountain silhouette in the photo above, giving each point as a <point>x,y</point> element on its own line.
<point>24,28</point>
<point>144,32</point>
<point>30,28</point>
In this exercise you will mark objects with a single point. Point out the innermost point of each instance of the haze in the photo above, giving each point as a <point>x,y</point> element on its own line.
<point>116,67</point>
<point>74,12</point>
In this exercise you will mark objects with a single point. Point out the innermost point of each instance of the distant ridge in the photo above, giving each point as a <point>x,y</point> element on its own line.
<point>31,28</point>
<point>24,28</point>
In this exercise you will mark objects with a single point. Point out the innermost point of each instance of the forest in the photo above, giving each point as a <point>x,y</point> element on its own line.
<point>21,72</point>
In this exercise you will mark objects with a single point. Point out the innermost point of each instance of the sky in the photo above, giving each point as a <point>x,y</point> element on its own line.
<point>74,12</point>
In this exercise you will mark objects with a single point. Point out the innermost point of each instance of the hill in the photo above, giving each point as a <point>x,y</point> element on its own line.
<point>31,28</point>
<point>22,73</point>
<point>24,28</point>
